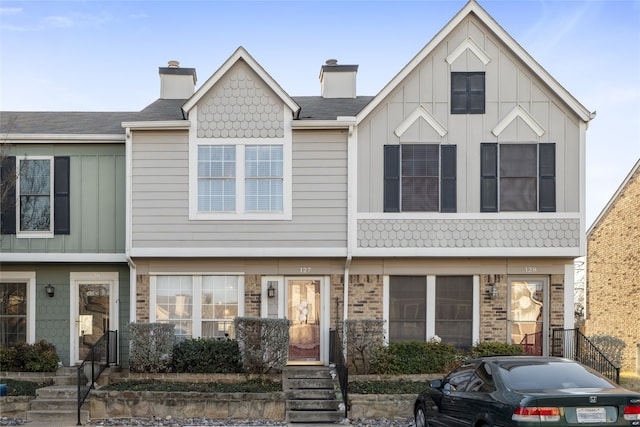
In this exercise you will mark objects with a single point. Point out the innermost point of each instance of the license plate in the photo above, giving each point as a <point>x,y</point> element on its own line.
<point>591,415</point>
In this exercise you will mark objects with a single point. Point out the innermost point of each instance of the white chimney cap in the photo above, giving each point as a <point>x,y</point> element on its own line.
<point>173,64</point>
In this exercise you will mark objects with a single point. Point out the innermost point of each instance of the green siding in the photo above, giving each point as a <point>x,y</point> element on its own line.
<point>97,198</point>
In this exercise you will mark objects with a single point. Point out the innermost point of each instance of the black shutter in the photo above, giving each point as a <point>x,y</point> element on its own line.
<point>448,178</point>
<point>392,178</point>
<point>8,202</point>
<point>488,177</point>
<point>547,177</point>
<point>61,206</point>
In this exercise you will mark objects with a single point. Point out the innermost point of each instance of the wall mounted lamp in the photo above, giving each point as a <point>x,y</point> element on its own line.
<point>271,291</point>
<point>50,290</point>
<point>492,290</point>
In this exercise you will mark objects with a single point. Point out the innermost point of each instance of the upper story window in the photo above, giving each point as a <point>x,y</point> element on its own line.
<point>518,177</point>
<point>420,178</point>
<point>240,178</point>
<point>467,93</point>
<point>36,201</point>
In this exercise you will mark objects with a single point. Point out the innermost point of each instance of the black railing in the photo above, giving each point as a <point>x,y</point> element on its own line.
<point>336,357</point>
<point>102,354</point>
<point>573,344</point>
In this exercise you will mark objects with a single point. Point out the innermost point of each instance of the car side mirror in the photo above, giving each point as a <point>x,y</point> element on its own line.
<point>435,383</point>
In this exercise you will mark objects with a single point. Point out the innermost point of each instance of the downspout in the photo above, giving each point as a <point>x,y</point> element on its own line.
<point>133,288</point>
<point>351,166</point>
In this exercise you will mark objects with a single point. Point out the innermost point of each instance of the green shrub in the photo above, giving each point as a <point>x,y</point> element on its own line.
<point>24,388</point>
<point>151,347</point>
<point>207,355</point>
<point>413,357</point>
<point>388,387</point>
<point>38,357</point>
<point>257,385</point>
<point>488,348</point>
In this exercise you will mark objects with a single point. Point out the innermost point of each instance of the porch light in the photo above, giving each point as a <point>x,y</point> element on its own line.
<point>492,290</point>
<point>50,290</point>
<point>271,291</point>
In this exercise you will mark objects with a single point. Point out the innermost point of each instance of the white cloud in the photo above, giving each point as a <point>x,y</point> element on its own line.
<point>59,21</point>
<point>6,11</point>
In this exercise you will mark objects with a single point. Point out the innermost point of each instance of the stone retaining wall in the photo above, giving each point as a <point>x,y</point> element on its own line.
<point>146,404</point>
<point>15,406</point>
<point>270,406</point>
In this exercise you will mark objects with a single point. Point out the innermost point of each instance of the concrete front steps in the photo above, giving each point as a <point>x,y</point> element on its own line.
<point>313,395</point>
<point>57,405</point>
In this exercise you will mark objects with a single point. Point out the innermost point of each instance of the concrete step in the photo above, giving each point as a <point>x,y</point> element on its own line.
<point>58,417</point>
<point>307,383</point>
<point>311,394</point>
<point>57,392</point>
<point>52,404</point>
<point>315,405</point>
<point>313,416</point>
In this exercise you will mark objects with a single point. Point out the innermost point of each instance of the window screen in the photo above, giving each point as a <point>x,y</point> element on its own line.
<point>407,308</point>
<point>454,310</point>
<point>518,177</point>
<point>420,177</point>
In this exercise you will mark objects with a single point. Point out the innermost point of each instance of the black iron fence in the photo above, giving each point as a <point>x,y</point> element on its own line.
<point>103,353</point>
<point>336,357</point>
<point>573,344</point>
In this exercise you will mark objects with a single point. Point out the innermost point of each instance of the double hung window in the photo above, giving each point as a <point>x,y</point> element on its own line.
<point>198,305</point>
<point>13,313</point>
<point>36,202</point>
<point>419,178</point>
<point>240,179</point>
<point>518,177</point>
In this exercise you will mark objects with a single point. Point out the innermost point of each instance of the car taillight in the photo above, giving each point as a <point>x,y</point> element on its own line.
<point>632,413</point>
<point>535,413</point>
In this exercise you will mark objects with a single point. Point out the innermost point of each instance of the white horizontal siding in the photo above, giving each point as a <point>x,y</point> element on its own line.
<point>160,198</point>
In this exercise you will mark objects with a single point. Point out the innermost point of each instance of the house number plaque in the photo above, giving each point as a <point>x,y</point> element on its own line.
<point>305,270</point>
<point>530,269</point>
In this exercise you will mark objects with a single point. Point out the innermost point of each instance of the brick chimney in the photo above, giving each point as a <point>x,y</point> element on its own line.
<point>176,82</point>
<point>338,81</point>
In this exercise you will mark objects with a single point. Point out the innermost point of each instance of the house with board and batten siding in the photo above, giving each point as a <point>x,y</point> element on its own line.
<point>451,203</point>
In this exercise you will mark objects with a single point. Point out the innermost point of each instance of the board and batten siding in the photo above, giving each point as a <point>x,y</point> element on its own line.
<point>509,83</point>
<point>96,197</point>
<point>160,197</point>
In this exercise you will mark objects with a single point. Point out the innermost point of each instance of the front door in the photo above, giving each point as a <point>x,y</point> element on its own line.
<point>93,305</point>
<point>303,309</point>
<point>528,311</point>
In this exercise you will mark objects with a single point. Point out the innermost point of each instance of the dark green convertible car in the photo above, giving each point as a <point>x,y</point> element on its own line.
<point>525,391</point>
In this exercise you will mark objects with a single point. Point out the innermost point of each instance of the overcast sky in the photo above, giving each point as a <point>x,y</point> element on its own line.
<point>104,55</point>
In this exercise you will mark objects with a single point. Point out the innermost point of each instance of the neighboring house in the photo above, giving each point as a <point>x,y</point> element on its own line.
<point>450,204</point>
<point>613,270</point>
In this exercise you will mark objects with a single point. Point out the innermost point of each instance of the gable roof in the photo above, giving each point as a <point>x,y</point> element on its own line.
<point>472,7</point>
<point>634,170</point>
<point>241,54</point>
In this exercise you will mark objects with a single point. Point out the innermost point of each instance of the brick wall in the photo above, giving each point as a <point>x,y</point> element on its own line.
<point>613,272</point>
<point>493,312</point>
<point>252,295</point>
<point>142,298</point>
<point>365,296</point>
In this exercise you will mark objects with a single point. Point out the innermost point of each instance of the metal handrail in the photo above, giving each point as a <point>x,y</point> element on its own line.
<point>103,353</point>
<point>532,344</point>
<point>573,344</point>
<point>337,358</point>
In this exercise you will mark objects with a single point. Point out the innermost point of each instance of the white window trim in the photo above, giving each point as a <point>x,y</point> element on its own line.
<point>196,282</point>
<point>431,307</point>
<point>34,234</point>
<point>240,143</point>
<point>76,279</point>
<point>28,277</point>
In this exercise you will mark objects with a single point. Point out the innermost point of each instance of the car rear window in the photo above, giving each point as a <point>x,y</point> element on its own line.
<point>549,376</point>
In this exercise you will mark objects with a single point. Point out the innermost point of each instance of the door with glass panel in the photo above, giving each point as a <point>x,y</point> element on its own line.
<point>528,313</point>
<point>94,314</point>
<point>13,313</point>
<point>303,310</point>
